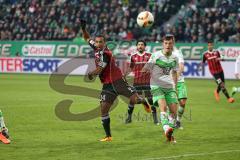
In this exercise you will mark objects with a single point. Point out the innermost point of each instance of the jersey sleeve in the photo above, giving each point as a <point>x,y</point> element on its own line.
<point>218,54</point>
<point>131,62</point>
<point>237,65</point>
<point>92,44</point>
<point>180,57</point>
<point>203,58</point>
<point>103,59</point>
<point>152,60</point>
<point>175,68</point>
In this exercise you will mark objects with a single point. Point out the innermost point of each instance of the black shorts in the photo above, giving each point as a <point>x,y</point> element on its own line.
<point>219,77</point>
<point>146,89</point>
<point>112,90</point>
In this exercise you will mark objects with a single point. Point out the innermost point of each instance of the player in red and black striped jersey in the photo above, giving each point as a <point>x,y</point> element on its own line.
<point>213,59</point>
<point>112,79</point>
<point>141,79</point>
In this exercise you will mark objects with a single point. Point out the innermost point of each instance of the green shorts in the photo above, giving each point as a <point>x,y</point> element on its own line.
<point>182,90</point>
<point>169,94</point>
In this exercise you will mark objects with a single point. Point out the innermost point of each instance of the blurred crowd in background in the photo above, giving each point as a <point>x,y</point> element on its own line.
<point>188,20</point>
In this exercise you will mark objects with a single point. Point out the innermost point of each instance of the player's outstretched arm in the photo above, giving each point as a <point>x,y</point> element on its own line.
<point>95,72</point>
<point>202,63</point>
<point>145,69</point>
<point>86,35</point>
<point>175,77</point>
<point>148,66</point>
<point>181,69</point>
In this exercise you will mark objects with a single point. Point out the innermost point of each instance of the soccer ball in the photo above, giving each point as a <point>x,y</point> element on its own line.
<point>145,19</point>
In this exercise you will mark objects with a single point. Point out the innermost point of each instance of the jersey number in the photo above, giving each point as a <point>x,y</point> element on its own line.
<point>166,71</point>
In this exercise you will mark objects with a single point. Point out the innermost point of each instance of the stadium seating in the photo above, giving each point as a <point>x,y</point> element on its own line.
<point>60,19</point>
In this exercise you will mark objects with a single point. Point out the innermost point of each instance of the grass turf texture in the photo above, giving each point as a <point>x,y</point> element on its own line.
<point>28,105</point>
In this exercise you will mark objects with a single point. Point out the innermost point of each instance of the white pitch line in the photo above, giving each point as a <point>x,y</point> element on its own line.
<point>193,154</point>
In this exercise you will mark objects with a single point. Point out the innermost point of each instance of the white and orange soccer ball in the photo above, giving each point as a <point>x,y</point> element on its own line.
<point>145,19</point>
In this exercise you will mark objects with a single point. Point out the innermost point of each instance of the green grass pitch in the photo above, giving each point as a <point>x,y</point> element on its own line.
<point>28,105</point>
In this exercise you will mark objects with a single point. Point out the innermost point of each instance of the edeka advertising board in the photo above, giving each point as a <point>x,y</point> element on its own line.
<point>67,49</point>
<point>80,66</point>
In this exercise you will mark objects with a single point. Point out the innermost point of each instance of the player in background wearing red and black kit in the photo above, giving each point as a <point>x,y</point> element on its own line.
<point>141,79</point>
<point>213,59</point>
<point>112,79</point>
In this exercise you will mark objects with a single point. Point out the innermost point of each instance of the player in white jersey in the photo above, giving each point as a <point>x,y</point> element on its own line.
<point>163,66</point>
<point>237,75</point>
<point>3,130</point>
<point>181,88</point>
